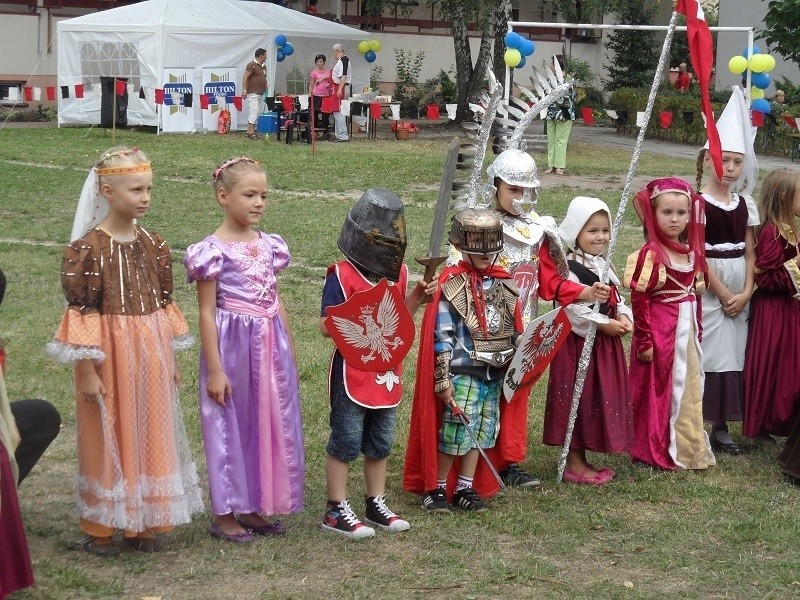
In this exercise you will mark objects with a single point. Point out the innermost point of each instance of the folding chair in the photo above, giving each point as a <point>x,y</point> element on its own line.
<point>294,120</point>
<point>794,150</point>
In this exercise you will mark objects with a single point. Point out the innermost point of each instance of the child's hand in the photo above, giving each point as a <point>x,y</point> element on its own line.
<point>218,388</point>
<point>735,305</point>
<point>91,387</point>
<point>430,287</point>
<point>446,396</point>
<point>645,355</point>
<point>601,291</point>
<point>613,328</point>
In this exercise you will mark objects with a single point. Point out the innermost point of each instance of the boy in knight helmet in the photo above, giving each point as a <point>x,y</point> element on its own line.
<point>467,340</point>
<point>363,401</point>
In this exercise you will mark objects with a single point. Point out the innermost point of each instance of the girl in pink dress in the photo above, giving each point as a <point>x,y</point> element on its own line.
<point>771,386</point>
<point>666,277</point>
<point>249,389</point>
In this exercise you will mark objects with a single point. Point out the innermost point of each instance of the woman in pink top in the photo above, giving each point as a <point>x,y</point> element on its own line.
<point>320,86</point>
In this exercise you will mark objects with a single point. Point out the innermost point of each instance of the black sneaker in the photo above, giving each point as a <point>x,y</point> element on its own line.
<point>342,520</point>
<point>513,476</point>
<point>468,499</point>
<point>378,515</point>
<point>435,501</point>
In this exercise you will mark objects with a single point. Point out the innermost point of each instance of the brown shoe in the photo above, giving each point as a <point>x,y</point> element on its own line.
<point>144,544</point>
<point>104,547</point>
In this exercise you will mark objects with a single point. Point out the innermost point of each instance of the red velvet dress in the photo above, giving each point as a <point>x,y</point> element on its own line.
<point>771,387</point>
<point>15,564</point>
<point>666,393</point>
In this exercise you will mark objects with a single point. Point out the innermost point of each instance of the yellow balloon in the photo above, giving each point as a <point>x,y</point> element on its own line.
<point>758,62</point>
<point>512,57</point>
<point>737,65</point>
<point>770,62</point>
<point>363,46</point>
<point>756,93</point>
<point>375,45</point>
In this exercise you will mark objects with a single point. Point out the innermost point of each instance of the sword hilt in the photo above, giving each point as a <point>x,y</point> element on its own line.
<point>431,263</point>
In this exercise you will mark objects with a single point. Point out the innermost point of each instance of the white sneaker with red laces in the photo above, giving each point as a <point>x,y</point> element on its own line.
<point>342,520</point>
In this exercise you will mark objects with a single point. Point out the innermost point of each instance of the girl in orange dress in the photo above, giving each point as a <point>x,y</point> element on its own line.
<point>119,331</point>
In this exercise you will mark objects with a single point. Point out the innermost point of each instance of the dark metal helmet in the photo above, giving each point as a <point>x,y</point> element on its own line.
<point>374,234</point>
<point>477,231</point>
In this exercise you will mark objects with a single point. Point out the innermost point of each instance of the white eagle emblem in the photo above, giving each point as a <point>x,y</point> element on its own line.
<point>374,333</point>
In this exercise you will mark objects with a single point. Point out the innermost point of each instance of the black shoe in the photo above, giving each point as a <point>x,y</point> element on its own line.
<point>513,476</point>
<point>468,499</point>
<point>435,501</point>
<point>718,446</point>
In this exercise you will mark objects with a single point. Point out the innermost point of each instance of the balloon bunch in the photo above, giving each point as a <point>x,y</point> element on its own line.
<point>369,48</point>
<point>517,48</point>
<point>284,47</point>
<point>760,65</point>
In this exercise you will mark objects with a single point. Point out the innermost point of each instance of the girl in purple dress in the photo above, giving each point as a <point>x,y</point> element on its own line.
<point>771,386</point>
<point>249,390</point>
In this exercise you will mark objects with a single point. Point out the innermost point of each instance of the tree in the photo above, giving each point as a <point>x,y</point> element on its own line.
<point>581,11</point>
<point>782,24</point>
<point>634,54</point>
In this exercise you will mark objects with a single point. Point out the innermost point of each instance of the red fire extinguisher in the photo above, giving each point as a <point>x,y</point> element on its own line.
<point>224,123</point>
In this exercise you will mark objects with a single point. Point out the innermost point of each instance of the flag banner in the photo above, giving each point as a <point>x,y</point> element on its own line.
<point>757,118</point>
<point>159,96</point>
<point>640,118</point>
<point>666,119</point>
<point>64,92</point>
<point>188,100</point>
<point>142,95</point>
<point>237,102</point>
<point>122,87</point>
<point>79,90</point>
<point>28,94</point>
<point>218,84</point>
<point>203,101</point>
<point>51,93</point>
<point>37,94</point>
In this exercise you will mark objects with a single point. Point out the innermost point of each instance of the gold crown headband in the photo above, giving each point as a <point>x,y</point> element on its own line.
<point>140,168</point>
<point>230,163</point>
<point>124,169</point>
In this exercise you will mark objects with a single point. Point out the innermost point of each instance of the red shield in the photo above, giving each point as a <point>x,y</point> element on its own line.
<point>525,278</point>
<point>539,344</point>
<point>373,330</point>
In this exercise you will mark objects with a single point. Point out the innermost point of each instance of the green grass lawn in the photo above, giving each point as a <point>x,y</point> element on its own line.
<point>728,532</point>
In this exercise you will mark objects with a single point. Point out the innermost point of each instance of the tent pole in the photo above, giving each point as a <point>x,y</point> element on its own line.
<point>114,113</point>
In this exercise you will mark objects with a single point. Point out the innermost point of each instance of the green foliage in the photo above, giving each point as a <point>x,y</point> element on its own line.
<point>782,24</point>
<point>580,70</point>
<point>592,97</point>
<point>634,57</point>
<point>407,90</point>
<point>791,91</point>
<point>581,11</point>
<point>39,114</point>
<point>375,76</point>
<point>439,90</point>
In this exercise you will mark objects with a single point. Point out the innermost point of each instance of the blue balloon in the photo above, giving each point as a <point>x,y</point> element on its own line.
<point>279,56</point>
<point>280,40</point>
<point>762,105</point>
<point>370,56</point>
<point>513,40</point>
<point>760,80</point>
<point>521,63</point>
<point>287,49</point>
<point>756,50</point>
<point>527,47</point>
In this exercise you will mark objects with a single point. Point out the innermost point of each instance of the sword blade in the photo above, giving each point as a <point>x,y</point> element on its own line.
<point>462,417</point>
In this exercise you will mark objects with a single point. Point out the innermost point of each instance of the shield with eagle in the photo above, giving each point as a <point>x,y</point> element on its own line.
<point>537,347</point>
<point>373,329</point>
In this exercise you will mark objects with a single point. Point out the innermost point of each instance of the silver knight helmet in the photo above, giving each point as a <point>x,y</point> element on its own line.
<point>517,168</point>
<point>373,236</point>
<point>477,231</point>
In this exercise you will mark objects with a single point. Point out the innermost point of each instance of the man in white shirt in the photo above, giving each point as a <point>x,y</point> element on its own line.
<point>342,77</point>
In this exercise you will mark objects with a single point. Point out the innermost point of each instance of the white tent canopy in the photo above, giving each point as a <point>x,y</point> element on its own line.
<point>205,43</point>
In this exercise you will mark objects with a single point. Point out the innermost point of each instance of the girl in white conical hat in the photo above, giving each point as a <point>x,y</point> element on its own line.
<point>731,215</point>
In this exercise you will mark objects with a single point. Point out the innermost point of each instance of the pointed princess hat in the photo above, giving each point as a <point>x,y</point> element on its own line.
<point>736,134</point>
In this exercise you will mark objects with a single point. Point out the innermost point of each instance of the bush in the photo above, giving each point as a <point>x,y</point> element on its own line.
<point>37,115</point>
<point>592,98</point>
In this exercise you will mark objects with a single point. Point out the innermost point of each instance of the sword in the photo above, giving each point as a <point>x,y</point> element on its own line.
<point>433,258</point>
<point>459,414</point>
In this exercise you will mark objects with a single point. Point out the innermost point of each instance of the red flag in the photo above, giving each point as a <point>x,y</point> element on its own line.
<point>757,118</point>
<point>122,87</point>
<point>701,51</point>
<point>79,90</point>
<point>203,101</point>
<point>51,93</point>
<point>159,96</point>
<point>28,94</point>
<point>665,117</point>
<point>237,102</point>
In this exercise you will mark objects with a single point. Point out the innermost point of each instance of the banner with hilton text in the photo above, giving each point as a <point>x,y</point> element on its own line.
<point>177,86</point>
<point>220,85</point>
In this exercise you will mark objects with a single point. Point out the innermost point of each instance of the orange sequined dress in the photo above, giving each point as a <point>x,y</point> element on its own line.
<point>135,471</point>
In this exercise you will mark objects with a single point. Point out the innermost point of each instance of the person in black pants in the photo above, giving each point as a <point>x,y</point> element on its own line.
<point>38,423</point>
